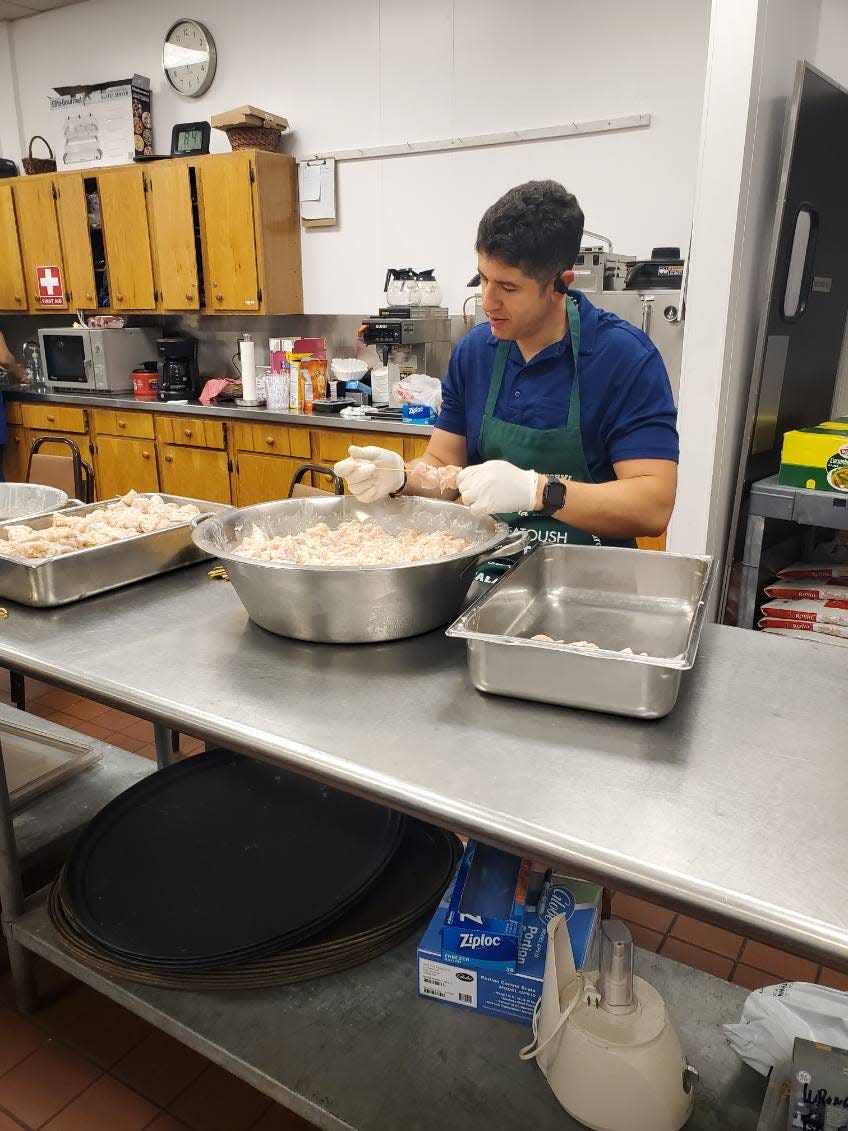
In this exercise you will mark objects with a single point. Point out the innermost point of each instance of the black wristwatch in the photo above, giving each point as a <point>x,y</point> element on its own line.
<point>553,497</point>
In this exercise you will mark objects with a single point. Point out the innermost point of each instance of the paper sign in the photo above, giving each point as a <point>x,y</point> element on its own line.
<point>50,289</point>
<point>310,181</point>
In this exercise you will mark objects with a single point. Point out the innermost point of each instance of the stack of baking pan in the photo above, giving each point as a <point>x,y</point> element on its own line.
<point>223,872</point>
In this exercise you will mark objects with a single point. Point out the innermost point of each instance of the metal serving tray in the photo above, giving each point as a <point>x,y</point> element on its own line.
<point>616,598</point>
<point>83,573</point>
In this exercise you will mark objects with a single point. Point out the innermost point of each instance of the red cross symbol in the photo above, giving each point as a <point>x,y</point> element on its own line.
<point>49,286</point>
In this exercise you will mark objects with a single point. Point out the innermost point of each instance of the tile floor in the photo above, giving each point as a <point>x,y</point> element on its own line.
<point>85,1064</point>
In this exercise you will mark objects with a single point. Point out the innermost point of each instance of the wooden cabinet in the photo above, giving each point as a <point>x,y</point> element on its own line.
<point>332,444</point>
<point>229,261</point>
<point>273,439</point>
<point>127,239</point>
<point>122,464</point>
<point>76,242</point>
<point>172,214</point>
<point>12,290</point>
<point>250,233</point>
<point>55,418</point>
<point>16,456</point>
<point>262,478</point>
<point>198,473</point>
<point>112,423</point>
<point>41,245</point>
<point>191,431</point>
<point>414,447</point>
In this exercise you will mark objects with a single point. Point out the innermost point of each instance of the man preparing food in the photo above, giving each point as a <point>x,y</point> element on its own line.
<point>559,415</point>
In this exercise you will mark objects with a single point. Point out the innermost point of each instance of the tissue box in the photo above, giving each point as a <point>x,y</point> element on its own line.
<point>100,124</point>
<point>477,983</point>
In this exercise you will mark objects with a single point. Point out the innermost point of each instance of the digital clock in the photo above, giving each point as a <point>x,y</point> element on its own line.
<point>188,139</point>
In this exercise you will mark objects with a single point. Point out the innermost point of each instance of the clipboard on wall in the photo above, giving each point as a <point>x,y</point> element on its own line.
<point>317,191</point>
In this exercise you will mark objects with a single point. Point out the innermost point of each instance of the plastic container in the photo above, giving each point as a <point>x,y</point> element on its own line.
<point>145,381</point>
<point>277,392</point>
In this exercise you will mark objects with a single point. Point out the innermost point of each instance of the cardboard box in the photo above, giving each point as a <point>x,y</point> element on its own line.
<point>101,124</point>
<point>480,985</point>
<point>815,458</point>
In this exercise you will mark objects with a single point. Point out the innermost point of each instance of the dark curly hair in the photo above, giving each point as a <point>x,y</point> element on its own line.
<point>536,226</point>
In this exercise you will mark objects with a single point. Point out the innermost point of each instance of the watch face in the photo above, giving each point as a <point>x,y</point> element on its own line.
<point>189,58</point>
<point>553,496</point>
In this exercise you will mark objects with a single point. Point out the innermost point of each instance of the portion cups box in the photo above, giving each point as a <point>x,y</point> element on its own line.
<point>100,124</point>
<point>816,458</point>
<point>464,955</point>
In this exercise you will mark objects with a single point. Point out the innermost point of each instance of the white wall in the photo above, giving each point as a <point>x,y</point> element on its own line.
<point>9,137</point>
<point>365,72</point>
<point>754,46</point>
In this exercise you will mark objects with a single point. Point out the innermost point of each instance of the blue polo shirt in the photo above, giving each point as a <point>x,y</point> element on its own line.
<point>626,407</point>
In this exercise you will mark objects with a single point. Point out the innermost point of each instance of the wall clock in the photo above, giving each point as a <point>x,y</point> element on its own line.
<point>189,58</point>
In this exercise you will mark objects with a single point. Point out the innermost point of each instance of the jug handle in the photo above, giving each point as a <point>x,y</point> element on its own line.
<point>585,990</point>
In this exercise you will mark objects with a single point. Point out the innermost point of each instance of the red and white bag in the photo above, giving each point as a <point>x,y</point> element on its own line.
<point>808,589</point>
<point>814,612</point>
<point>823,633</point>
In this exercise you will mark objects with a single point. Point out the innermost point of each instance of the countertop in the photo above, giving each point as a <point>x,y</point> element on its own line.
<point>228,411</point>
<point>732,807</point>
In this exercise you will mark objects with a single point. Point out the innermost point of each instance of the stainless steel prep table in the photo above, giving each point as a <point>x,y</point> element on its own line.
<point>728,808</point>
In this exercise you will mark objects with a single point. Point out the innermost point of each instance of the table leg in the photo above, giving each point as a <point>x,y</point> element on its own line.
<point>17,690</point>
<point>163,738</point>
<point>12,901</point>
<point>750,570</point>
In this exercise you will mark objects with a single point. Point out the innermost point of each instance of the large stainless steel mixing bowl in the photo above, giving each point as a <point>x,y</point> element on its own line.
<point>28,500</point>
<point>354,605</point>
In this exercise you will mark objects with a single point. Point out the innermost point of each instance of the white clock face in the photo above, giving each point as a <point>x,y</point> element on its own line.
<point>189,58</point>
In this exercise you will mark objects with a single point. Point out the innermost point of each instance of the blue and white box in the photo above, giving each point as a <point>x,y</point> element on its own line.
<point>474,981</point>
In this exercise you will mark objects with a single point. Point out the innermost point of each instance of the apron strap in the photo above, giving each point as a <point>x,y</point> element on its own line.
<point>502,353</point>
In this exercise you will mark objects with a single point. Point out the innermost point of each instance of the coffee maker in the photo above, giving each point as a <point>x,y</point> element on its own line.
<point>179,377</point>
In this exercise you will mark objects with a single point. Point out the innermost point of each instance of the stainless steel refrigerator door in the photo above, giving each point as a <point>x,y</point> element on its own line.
<point>802,326</point>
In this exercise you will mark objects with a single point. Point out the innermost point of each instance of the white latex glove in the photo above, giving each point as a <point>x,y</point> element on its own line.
<point>497,487</point>
<point>371,473</point>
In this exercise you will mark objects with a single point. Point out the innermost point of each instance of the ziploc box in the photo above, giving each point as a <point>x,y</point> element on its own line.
<point>482,977</point>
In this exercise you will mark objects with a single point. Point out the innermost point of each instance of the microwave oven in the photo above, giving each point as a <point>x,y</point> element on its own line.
<point>102,361</point>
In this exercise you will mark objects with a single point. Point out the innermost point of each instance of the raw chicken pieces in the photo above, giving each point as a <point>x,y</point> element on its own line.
<point>423,477</point>
<point>353,543</point>
<point>131,515</point>
<point>586,645</point>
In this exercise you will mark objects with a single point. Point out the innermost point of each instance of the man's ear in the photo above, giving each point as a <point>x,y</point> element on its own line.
<point>567,278</point>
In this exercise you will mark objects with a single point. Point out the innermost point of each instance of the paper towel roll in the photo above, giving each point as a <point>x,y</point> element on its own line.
<point>248,368</point>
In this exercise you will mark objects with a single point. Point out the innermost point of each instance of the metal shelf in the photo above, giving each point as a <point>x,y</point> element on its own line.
<point>361,1050</point>
<point>770,499</point>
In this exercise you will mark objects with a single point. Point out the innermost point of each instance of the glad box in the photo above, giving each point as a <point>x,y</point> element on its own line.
<point>472,981</point>
<point>100,124</point>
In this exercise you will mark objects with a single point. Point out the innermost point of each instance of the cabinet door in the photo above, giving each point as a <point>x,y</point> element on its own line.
<point>172,234</point>
<point>261,478</point>
<point>38,228</point>
<point>122,464</point>
<point>127,239</point>
<point>414,447</point>
<point>195,473</point>
<point>76,240</point>
<point>12,290</point>
<point>16,456</point>
<point>229,245</point>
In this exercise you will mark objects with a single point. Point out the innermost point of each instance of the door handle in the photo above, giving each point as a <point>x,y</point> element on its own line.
<point>269,440</point>
<point>187,432</point>
<point>169,459</point>
<point>146,455</point>
<point>51,419</point>
<point>122,423</point>
<point>119,298</point>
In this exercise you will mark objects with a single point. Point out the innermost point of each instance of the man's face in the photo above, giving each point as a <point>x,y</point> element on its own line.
<point>516,304</point>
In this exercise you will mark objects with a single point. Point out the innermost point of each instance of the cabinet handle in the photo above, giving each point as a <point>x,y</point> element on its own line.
<point>269,440</point>
<point>146,455</point>
<point>51,419</point>
<point>187,431</point>
<point>18,298</point>
<point>189,297</point>
<point>169,459</point>
<point>119,298</point>
<point>122,423</point>
<point>220,298</point>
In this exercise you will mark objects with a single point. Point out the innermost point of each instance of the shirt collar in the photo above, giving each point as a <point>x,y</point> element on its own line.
<point>588,329</point>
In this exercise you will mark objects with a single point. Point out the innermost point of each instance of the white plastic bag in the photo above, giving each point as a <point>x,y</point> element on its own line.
<point>418,389</point>
<point>773,1017</point>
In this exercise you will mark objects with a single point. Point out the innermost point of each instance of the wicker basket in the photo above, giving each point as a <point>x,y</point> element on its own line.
<point>254,137</point>
<point>39,164</point>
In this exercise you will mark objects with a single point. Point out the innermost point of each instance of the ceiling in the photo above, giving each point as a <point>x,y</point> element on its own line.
<point>12,10</point>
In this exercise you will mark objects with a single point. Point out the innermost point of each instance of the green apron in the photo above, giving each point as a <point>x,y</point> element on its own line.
<point>550,451</point>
